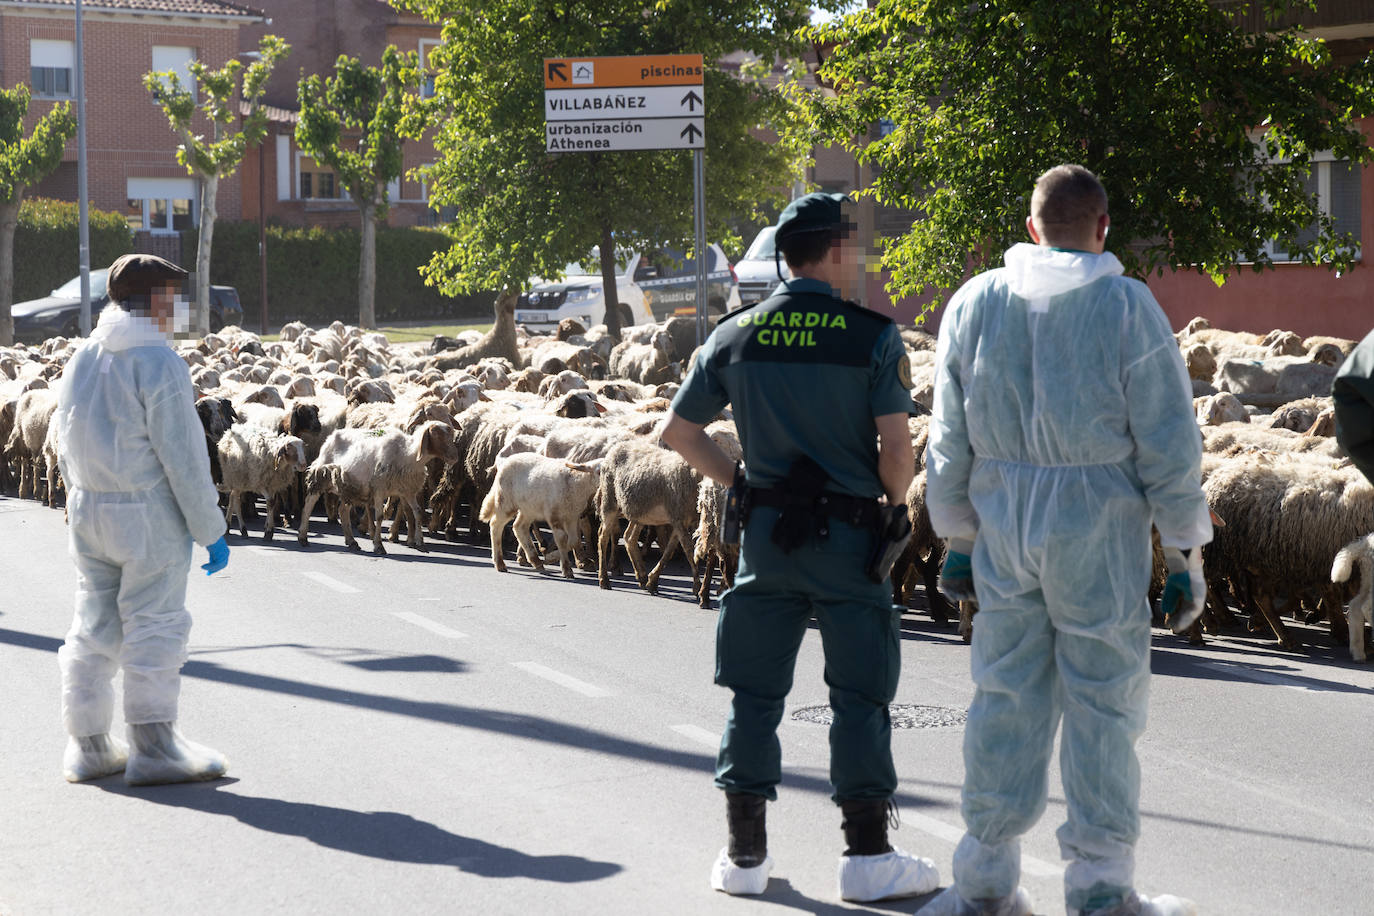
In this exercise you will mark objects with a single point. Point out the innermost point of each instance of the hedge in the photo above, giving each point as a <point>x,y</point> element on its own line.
<point>47,244</point>
<point>312,274</point>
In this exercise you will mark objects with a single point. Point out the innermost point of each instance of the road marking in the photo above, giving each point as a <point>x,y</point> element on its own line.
<point>699,735</point>
<point>561,679</point>
<point>427,624</point>
<point>331,582</point>
<point>1279,680</point>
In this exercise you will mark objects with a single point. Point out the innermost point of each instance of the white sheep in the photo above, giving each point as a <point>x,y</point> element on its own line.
<point>1359,552</point>
<point>648,364</point>
<point>254,460</point>
<point>647,486</point>
<point>530,488</point>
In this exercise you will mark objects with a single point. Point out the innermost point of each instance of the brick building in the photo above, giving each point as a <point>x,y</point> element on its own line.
<point>294,189</point>
<point>131,151</point>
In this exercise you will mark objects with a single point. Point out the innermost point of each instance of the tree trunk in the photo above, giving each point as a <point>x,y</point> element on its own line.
<point>9,221</point>
<point>209,191</point>
<point>608,281</point>
<point>367,267</point>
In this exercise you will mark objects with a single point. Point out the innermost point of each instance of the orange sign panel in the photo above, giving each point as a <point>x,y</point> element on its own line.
<point>622,72</point>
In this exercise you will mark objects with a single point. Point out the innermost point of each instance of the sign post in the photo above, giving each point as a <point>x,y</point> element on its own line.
<point>647,102</point>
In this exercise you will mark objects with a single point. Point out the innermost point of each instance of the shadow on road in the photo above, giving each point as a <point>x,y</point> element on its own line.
<point>1243,667</point>
<point>781,893</point>
<point>387,835</point>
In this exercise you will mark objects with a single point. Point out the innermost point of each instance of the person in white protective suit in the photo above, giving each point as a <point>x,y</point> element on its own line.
<point>132,452</point>
<point>1063,428</point>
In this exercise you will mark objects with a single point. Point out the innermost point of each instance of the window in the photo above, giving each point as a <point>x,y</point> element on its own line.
<point>426,72</point>
<point>161,205</point>
<point>50,68</point>
<point>1336,185</point>
<point>315,182</point>
<point>178,60</point>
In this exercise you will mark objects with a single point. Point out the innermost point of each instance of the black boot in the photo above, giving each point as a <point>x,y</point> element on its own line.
<point>748,837</point>
<point>865,826</point>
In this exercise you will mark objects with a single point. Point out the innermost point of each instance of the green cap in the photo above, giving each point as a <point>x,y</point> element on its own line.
<point>813,213</point>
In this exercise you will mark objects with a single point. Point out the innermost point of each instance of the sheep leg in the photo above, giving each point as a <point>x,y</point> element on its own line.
<point>704,593</point>
<point>269,522</point>
<point>1275,619</point>
<point>26,482</point>
<point>936,604</point>
<point>967,610</point>
<point>670,545</point>
<point>522,535</point>
<point>498,525</point>
<point>375,524</point>
<point>635,552</point>
<point>1356,616</point>
<point>417,532</point>
<point>52,484</point>
<point>303,528</point>
<point>346,522</point>
<point>562,539</point>
<point>609,523</point>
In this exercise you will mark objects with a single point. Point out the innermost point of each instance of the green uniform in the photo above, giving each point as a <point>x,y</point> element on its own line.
<point>1353,393</point>
<point>806,373</point>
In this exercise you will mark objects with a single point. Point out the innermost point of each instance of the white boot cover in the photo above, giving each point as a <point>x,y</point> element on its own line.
<point>728,877</point>
<point>92,757</point>
<point>891,874</point>
<point>950,903</point>
<point>160,755</point>
<point>1137,904</point>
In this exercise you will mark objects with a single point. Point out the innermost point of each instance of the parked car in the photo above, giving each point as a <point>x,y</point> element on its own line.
<point>757,270</point>
<point>650,286</point>
<point>59,313</point>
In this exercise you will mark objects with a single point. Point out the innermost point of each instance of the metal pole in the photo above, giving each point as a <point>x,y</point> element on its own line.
<point>262,233</point>
<point>83,215</point>
<point>699,205</point>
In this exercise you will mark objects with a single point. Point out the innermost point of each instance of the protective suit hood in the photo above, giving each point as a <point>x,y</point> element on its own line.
<point>1037,272</point>
<point>121,330</point>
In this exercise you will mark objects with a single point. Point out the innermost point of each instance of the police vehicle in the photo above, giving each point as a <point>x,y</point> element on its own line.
<point>757,270</point>
<point>651,286</point>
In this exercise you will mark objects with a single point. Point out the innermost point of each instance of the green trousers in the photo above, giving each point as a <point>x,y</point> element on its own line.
<point>761,625</point>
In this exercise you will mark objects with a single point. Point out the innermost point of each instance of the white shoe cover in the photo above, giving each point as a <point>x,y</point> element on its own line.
<point>160,755</point>
<point>1140,905</point>
<point>950,903</point>
<point>891,874</point>
<point>728,877</point>
<point>92,757</point>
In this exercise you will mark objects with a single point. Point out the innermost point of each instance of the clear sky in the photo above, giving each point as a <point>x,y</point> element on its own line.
<point>817,16</point>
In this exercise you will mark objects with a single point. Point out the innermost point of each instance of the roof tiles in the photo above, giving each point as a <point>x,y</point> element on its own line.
<point>197,8</point>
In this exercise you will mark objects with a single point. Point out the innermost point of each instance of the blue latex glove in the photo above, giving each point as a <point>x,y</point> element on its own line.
<point>956,576</point>
<point>219,557</point>
<point>1185,590</point>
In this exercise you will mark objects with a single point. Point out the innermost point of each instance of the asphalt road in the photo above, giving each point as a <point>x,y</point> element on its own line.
<point>420,734</point>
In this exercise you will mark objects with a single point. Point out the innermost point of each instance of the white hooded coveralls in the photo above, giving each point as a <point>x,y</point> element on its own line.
<point>1063,427</point>
<point>132,452</point>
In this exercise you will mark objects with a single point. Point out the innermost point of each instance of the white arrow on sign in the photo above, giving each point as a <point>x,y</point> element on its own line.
<point>646,102</point>
<point>624,134</point>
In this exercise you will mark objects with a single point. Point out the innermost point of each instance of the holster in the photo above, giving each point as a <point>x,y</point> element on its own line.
<point>736,513</point>
<point>796,498</point>
<point>894,534</point>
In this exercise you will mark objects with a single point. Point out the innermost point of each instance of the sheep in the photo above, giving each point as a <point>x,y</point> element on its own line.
<point>1217,409</point>
<point>217,415</point>
<point>710,549</point>
<point>1299,416</point>
<point>266,395</point>
<point>1342,345</point>
<point>924,553</point>
<point>254,460</point>
<point>1200,361</point>
<point>646,485</point>
<point>569,327</point>
<point>32,413</point>
<point>368,467</point>
<point>648,364</point>
<point>531,488</point>
<point>1295,377</point>
<point>1359,552</point>
<point>562,383</point>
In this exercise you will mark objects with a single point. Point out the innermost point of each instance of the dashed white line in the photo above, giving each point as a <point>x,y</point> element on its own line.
<point>699,735</point>
<point>561,679</point>
<point>427,624</point>
<point>331,582</point>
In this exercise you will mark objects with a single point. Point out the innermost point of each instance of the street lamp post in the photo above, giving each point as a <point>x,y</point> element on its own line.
<point>82,209</point>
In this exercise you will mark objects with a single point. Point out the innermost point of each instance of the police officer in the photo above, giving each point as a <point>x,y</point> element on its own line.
<point>820,392</point>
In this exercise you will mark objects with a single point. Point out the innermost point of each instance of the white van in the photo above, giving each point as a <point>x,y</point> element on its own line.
<point>757,272</point>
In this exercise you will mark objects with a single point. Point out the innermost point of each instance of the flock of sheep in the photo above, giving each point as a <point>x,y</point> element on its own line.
<point>560,430</point>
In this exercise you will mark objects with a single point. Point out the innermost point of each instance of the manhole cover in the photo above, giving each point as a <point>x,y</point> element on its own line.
<point>903,716</point>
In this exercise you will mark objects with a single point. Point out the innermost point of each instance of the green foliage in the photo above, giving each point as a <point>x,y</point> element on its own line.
<point>522,212</point>
<point>47,246</point>
<point>311,273</point>
<point>351,122</point>
<point>220,91</point>
<point>25,160</point>
<point>1202,133</point>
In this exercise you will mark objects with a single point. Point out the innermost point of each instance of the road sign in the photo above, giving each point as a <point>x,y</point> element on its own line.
<point>624,103</point>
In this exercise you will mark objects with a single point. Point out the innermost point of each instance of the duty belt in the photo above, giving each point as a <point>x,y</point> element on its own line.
<point>862,512</point>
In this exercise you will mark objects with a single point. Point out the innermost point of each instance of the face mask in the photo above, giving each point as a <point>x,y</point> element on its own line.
<point>181,315</point>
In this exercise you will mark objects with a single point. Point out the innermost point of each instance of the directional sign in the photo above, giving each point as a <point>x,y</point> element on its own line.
<point>624,103</point>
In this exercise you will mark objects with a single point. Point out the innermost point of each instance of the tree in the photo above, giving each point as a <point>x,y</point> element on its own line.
<point>522,212</point>
<point>368,102</point>
<point>218,156</point>
<point>1202,133</point>
<point>24,161</point>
